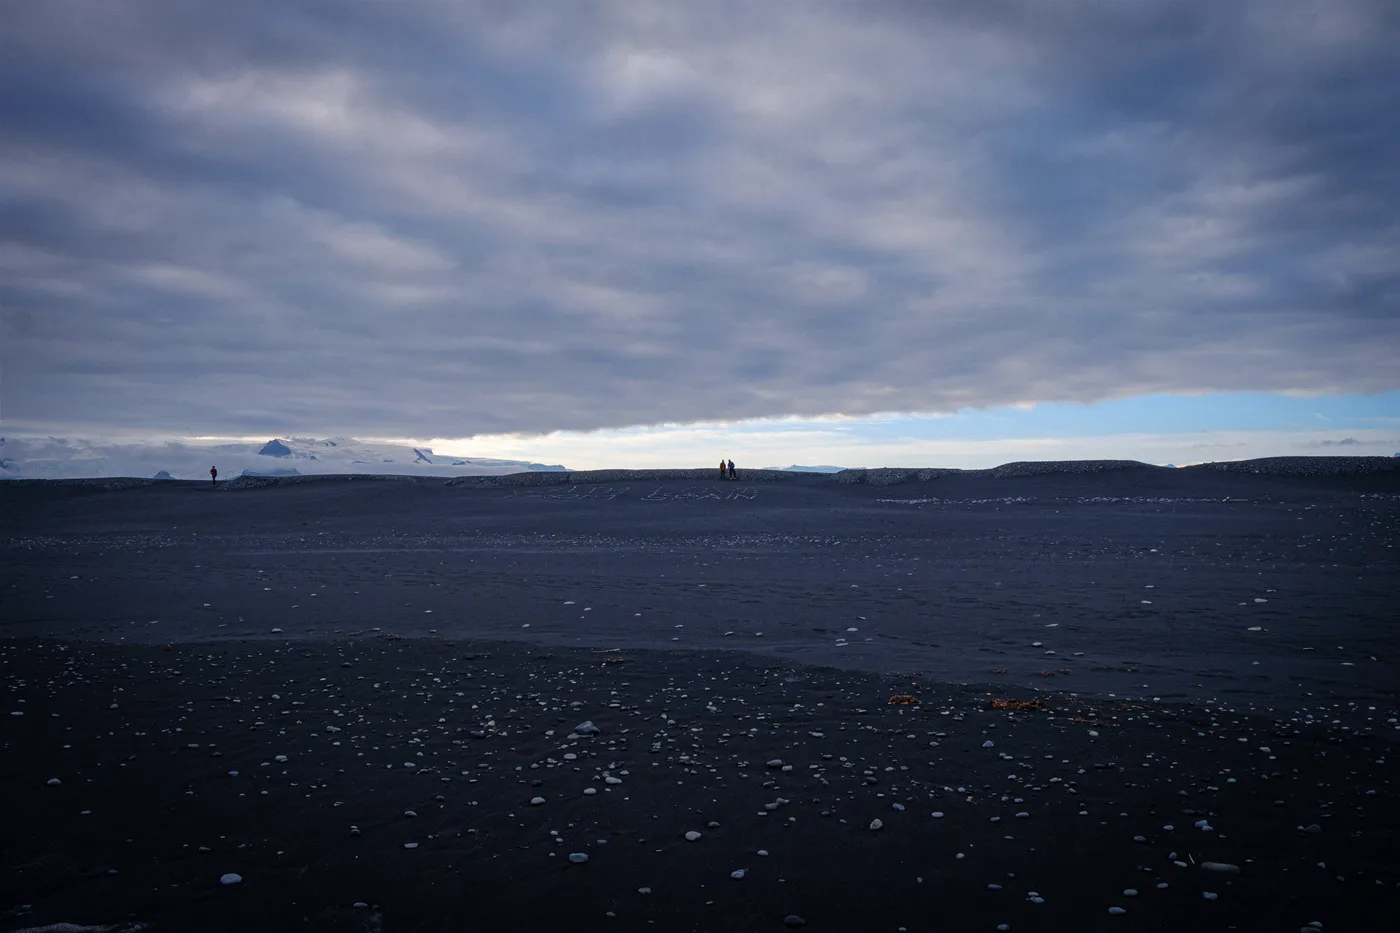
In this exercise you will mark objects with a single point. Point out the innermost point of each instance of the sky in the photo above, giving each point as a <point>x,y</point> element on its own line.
<point>619,233</point>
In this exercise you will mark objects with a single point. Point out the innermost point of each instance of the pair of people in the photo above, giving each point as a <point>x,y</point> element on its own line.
<point>726,470</point>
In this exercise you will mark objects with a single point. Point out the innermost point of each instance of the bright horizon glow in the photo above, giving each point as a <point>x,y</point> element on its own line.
<point>1166,429</point>
<point>1154,429</point>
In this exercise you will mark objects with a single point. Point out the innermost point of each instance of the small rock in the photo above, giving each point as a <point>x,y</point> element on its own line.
<point>989,744</point>
<point>1116,911</point>
<point>876,824</point>
<point>1209,895</point>
<point>587,728</point>
<point>1223,868</point>
<point>692,836</point>
<point>794,921</point>
<point>231,878</point>
<point>578,858</point>
<point>776,763</point>
<point>536,801</point>
<point>737,875</point>
<point>53,782</point>
<point>1312,828</point>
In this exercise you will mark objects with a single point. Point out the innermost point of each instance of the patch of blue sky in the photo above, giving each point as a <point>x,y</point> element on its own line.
<point>1156,414</point>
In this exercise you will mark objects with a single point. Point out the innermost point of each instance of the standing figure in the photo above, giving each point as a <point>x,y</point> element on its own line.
<point>722,472</point>
<point>213,476</point>
<point>732,474</point>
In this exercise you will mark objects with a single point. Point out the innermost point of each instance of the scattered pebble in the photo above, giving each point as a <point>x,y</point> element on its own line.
<point>1222,868</point>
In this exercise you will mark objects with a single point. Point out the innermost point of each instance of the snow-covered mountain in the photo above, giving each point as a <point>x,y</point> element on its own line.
<point>69,458</point>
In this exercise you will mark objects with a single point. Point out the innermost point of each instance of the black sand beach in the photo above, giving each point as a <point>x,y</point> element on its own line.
<point>1215,652</point>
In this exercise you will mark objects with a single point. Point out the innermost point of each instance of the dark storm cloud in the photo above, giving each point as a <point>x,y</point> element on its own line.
<point>437,218</point>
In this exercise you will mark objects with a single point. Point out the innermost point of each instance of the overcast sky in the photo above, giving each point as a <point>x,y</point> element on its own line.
<point>437,218</point>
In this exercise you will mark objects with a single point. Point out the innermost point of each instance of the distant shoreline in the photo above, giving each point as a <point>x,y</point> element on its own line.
<point>881,476</point>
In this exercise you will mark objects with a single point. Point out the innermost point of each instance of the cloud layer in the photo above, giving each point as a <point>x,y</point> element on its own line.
<point>448,219</point>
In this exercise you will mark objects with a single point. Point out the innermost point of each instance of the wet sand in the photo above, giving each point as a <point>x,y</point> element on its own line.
<point>1173,625</point>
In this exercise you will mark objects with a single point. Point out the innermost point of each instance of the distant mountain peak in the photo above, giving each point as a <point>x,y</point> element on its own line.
<point>275,448</point>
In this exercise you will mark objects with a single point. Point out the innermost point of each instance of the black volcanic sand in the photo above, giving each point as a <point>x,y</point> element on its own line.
<point>468,631</point>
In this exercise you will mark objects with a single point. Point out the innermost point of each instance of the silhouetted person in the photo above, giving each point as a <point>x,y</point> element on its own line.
<point>213,476</point>
<point>732,474</point>
<point>722,471</point>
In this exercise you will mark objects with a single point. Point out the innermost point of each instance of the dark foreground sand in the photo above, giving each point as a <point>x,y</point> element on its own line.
<point>467,632</point>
